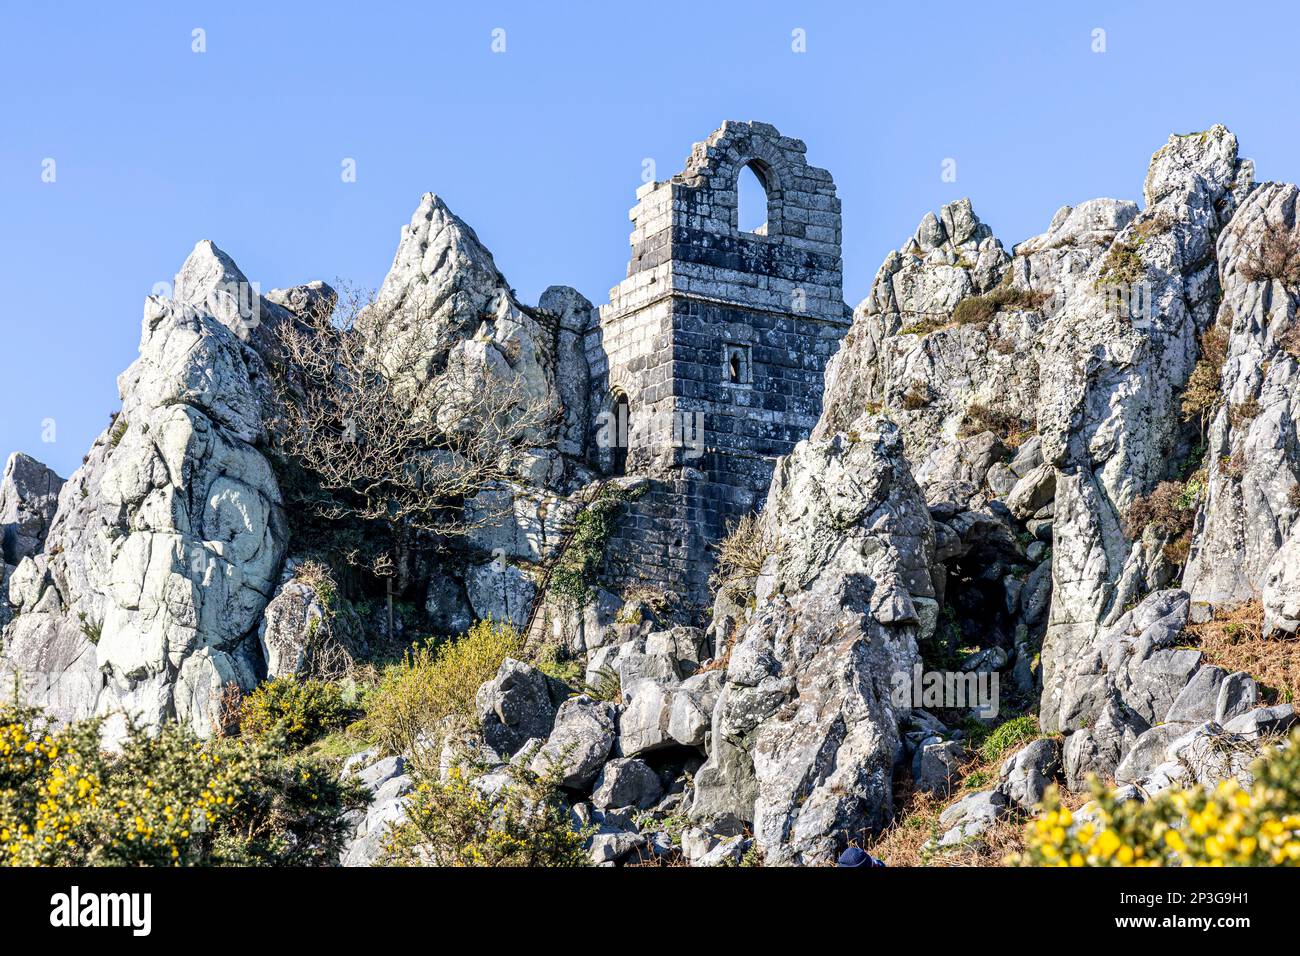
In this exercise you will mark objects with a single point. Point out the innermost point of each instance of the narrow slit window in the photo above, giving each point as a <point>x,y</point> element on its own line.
<point>736,369</point>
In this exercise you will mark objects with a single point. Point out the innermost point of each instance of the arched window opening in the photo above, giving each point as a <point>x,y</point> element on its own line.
<point>751,202</point>
<point>736,368</point>
<point>620,431</point>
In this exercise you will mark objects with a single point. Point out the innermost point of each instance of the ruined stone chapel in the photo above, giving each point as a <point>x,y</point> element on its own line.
<point>707,363</point>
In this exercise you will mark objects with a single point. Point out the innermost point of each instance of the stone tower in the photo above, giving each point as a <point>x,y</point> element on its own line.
<point>712,349</point>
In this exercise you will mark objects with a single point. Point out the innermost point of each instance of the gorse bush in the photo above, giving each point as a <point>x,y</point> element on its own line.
<point>436,681</point>
<point>165,799</point>
<point>1230,825</point>
<point>458,822</point>
<point>303,710</point>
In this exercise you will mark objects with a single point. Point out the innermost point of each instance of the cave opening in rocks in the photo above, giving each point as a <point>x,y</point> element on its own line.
<point>673,764</point>
<point>994,612</point>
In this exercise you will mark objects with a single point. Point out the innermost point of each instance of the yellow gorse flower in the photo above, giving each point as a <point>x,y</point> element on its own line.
<point>1226,825</point>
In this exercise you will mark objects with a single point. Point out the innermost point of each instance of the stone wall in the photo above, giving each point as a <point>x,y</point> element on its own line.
<point>718,339</point>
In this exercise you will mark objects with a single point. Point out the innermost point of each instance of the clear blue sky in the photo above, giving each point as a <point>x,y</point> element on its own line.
<point>540,148</point>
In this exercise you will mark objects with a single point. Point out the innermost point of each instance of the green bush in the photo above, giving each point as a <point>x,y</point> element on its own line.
<point>166,799</point>
<point>303,710</point>
<point>434,682</point>
<point>575,570</point>
<point>457,823</point>
<point>1007,736</point>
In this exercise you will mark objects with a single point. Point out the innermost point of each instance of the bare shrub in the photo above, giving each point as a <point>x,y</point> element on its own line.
<point>1275,256</point>
<point>1011,429</point>
<point>1171,508</point>
<point>742,552</point>
<point>917,396</point>
<point>1235,466</point>
<point>386,438</point>
<point>1243,413</point>
<point>1202,391</point>
<point>1289,341</point>
<point>1234,639</point>
<point>227,709</point>
<point>387,447</point>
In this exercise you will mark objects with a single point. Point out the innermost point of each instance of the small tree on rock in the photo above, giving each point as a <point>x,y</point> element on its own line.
<point>396,426</point>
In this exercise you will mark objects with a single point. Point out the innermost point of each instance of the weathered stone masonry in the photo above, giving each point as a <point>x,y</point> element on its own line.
<point>717,341</point>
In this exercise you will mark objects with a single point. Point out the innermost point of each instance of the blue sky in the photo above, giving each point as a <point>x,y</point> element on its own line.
<point>541,148</point>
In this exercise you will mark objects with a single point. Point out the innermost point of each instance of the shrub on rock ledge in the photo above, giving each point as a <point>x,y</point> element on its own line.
<point>466,821</point>
<point>434,682</point>
<point>1171,508</point>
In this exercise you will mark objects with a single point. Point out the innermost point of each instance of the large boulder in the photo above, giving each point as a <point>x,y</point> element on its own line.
<point>626,782</point>
<point>936,765</point>
<point>579,743</point>
<point>1026,774</point>
<point>304,630</point>
<point>29,495</point>
<point>167,543</point>
<point>644,723</point>
<point>1115,360</point>
<point>805,730</point>
<point>691,713</point>
<point>518,705</point>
